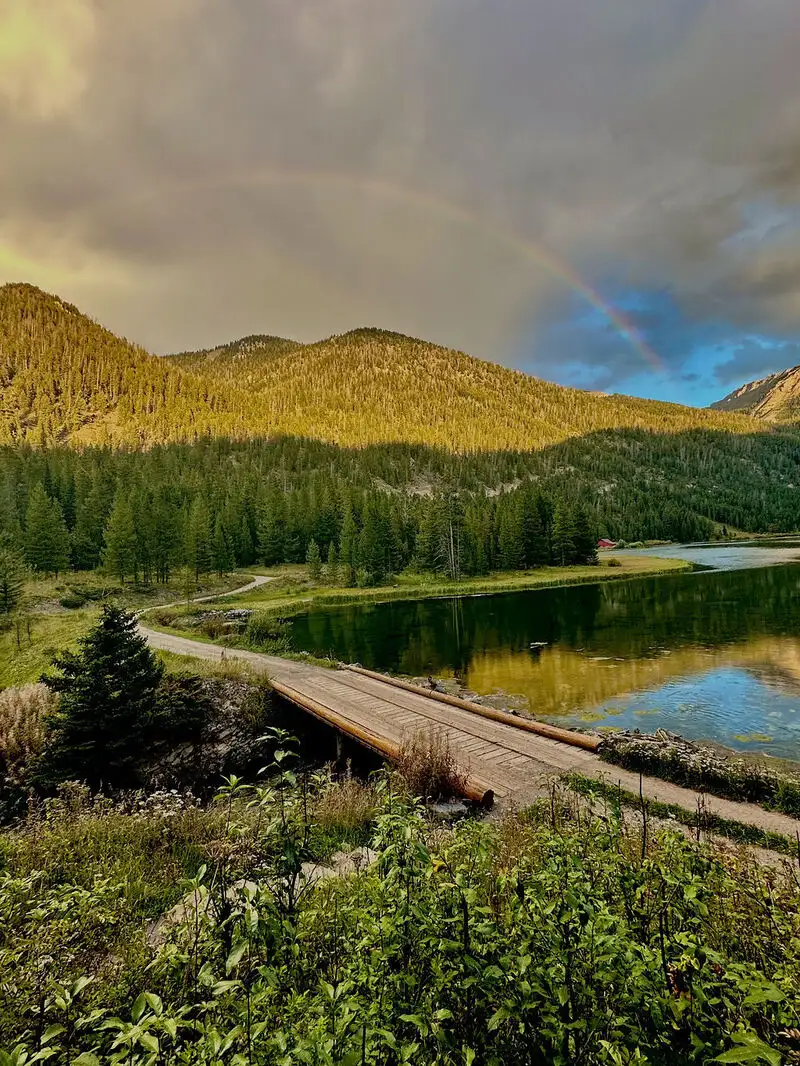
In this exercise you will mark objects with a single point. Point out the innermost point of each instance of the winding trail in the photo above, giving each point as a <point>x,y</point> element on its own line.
<point>498,754</point>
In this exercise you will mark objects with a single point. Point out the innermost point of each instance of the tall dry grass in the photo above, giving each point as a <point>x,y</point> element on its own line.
<point>428,766</point>
<point>22,715</point>
<point>346,805</point>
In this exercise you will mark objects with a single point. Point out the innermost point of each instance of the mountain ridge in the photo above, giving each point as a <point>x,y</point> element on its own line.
<point>66,379</point>
<point>774,398</point>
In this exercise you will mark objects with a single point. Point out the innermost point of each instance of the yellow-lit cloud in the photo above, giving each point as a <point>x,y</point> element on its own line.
<point>45,47</point>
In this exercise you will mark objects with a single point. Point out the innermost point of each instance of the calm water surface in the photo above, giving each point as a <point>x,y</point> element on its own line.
<point>713,654</point>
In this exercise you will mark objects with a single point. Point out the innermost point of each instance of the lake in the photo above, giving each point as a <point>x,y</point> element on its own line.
<point>713,654</point>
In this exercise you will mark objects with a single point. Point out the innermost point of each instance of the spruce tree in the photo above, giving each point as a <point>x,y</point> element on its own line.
<point>120,555</point>
<point>314,561</point>
<point>199,556</point>
<point>271,529</point>
<point>585,539</point>
<point>12,579</point>
<point>563,535</point>
<point>220,550</point>
<point>348,546</point>
<point>108,700</point>
<point>332,566</point>
<point>46,537</point>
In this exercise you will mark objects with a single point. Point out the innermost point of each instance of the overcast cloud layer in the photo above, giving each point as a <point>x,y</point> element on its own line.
<point>189,171</point>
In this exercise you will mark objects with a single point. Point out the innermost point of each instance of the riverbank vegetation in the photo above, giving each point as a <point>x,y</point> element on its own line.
<point>705,770</point>
<point>161,930</point>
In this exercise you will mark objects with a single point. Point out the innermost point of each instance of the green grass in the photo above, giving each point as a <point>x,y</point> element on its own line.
<point>292,593</point>
<point>705,821</point>
<point>47,627</point>
<point>49,634</point>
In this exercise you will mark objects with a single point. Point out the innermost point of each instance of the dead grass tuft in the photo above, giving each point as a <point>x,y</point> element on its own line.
<point>428,766</point>
<point>346,804</point>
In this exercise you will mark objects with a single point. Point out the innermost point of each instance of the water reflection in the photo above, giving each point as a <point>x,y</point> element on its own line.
<point>715,654</point>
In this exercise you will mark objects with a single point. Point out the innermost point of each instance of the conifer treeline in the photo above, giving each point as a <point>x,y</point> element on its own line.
<point>218,504</point>
<point>84,511</point>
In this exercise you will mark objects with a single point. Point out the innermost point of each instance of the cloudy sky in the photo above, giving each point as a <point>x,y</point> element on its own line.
<point>600,192</point>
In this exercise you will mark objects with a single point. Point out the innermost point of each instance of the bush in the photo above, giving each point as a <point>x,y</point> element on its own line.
<point>613,562</point>
<point>72,602</point>
<point>267,633</point>
<point>428,767</point>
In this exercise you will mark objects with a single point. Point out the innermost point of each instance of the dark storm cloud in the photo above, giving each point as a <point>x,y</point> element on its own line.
<point>754,359</point>
<point>190,170</point>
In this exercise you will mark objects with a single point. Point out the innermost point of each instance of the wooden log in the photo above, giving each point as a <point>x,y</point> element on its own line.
<point>552,732</point>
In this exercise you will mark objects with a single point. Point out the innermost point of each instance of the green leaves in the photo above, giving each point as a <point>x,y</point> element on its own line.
<point>750,1048</point>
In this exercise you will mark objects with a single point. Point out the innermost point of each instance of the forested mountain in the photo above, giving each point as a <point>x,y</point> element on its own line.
<point>256,347</point>
<point>371,386</point>
<point>63,378</point>
<point>382,449</point>
<point>775,398</point>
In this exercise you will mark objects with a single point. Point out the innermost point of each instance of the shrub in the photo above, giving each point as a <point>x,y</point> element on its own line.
<point>613,562</point>
<point>265,632</point>
<point>71,602</point>
<point>428,767</point>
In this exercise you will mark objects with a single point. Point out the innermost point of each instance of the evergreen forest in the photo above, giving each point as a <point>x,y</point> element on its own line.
<point>370,452</point>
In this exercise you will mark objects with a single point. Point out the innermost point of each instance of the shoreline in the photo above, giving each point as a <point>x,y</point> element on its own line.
<point>630,568</point>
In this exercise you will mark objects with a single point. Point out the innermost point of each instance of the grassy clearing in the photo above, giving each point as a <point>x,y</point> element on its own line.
<point>58,611</point>
<point>49,634</point>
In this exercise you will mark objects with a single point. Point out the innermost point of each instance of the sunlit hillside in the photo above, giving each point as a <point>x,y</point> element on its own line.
<point>65,378</point>
<point>370,386</point>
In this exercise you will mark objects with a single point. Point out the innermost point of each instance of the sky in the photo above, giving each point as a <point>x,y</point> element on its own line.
<point>604,193</point>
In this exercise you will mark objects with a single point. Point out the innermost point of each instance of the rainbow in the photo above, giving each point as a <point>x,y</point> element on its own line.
<point>446,209</point>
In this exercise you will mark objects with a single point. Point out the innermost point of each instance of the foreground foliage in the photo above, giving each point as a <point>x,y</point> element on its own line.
<point>553,937</point>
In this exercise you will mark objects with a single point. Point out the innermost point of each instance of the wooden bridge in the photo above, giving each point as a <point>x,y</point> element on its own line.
<point>503,755</point>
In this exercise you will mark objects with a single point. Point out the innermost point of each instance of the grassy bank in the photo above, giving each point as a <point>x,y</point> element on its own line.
<point>699,821</point>
<point>290,592</point>
<point>57,611</point>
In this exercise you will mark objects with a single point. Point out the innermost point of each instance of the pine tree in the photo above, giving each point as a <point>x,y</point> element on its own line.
<point>371,553</point>
<point>271,529</point>
<point>534,538</point>
<point>10,527</point>
<point>120,556</point>
<point>332,566</point>
<point>46,537</point>
<point>221,552</point>
<point>585,539</point>
<point>108,698</point>
<point>314,561</point>
<point>510,545</point>
<point>167,535</point>
<point>12,580</point>
<point>197,548</point>
<point>348,546</point>
<point>563,535</point>
<point>429,535</point>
